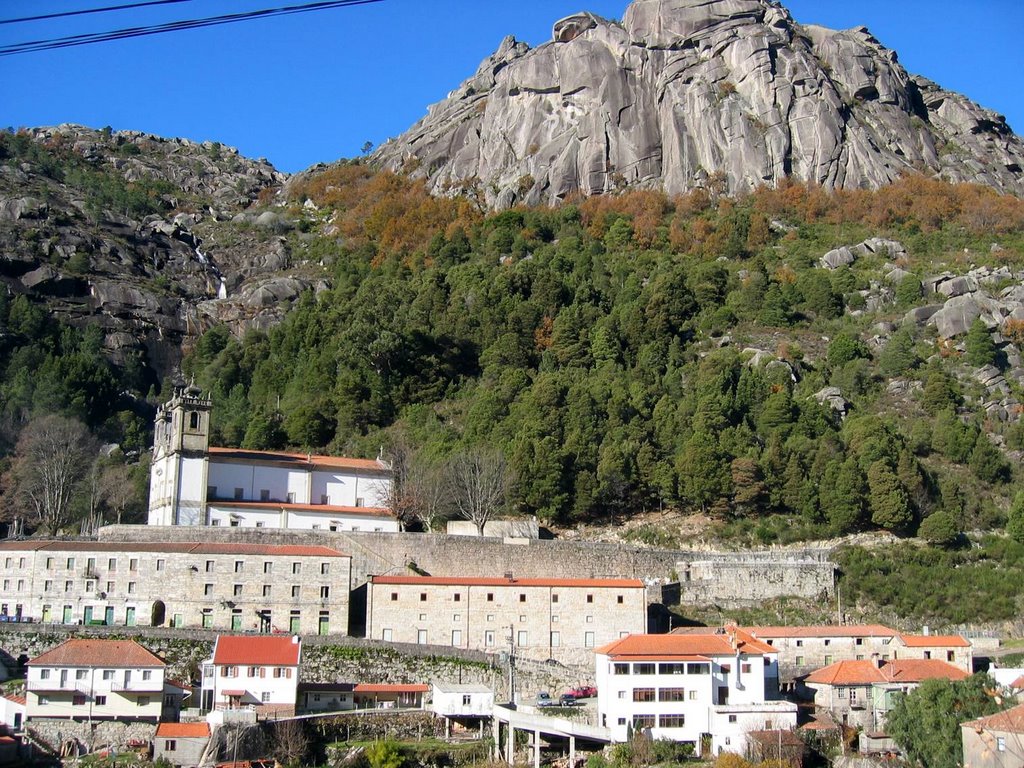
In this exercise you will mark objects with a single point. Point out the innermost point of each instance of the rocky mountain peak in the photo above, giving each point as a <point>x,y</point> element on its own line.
<point>684,93</point>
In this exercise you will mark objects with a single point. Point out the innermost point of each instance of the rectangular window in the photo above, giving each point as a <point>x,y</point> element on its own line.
<point>588,639</point>
<point>457,637</point>
<point>209,566</point>
<point>556,640</point>
<point>325,593</point>
<point>672,669</point>
<point>143,701</point>
<point>159,565</point>
<point>239,566</point>
<point>207,589</point>
<point>238,590</point>
<point>131,587</point>
<point>671,694</point>
<point>47,585</point>
<point>744,668</point>
<point>644,668</point>
<point>325,499</point>
<point>268,567</point>
<point>799,643</point>
<point>295,590</point>
<point>170,745</point>
<point>619,599</point>
<point>147,674</point>
<point>108,674</point>
<point>290,497</point>
<point>522,638</point>
<point>693,695</point>
<point>385,634</point>
<point>643,721</point>
<point>522,598</point>
<point>799,661</point>
<point>112,564</point>
<point>672,721</point>
<point>698,668</point>
<point>44,674</point>
<point>68,586</point>
<point>325,568</point>
<point>1000,743</point>
<point>133,564</point>
<point>207,618</point>
<point>490,597</point>
<point>643,694</point>
<point>859,641</point>
<point>489,638</point>
<point>620,669</point>
<point>49,562</point>
<point>266,590</point>
<point>394,597</point>
<point>101,701</point>
<point>840,692</point>
<point>296,569</point>
<point>590,598</point>
<point>421,636</point>
<point>457,598</point>
<point>423,597</point>
<point>239,494</point>
<point>81,674</point>
<point>828,660</point>
<point>554,598</point>
<point>264,494</point>
<point>265,697</point>
<point>71,563</point>
<point>732,718</point>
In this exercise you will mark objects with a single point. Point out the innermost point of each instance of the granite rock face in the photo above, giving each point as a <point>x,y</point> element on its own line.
<point>686,93</point>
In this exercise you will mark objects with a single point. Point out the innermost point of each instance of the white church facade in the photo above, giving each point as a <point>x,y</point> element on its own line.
<point>194,484</point>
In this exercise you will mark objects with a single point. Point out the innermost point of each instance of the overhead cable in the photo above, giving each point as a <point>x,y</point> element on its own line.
<point>175,26</point>
<point>86,11</point>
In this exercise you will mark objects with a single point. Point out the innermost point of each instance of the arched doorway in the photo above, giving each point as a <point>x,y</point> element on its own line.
<point>157,616</point>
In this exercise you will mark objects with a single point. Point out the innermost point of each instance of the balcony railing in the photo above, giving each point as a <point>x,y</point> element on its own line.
<point>137,686</point>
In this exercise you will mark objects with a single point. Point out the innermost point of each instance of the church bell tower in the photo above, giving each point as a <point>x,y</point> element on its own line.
<point>181,439</point>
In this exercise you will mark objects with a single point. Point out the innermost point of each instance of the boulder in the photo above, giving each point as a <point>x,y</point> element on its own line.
<point>833,398</point>
<point>921,315</point>
<point>837,257</point>
<point>957,286</point>
<point>956,316</point>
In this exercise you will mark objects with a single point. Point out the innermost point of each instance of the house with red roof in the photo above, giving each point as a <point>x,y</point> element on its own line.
<point>860,693</point>
<point>681,686</point>
<point>561,619</point>
<point>91,679</point>
<point>254,672</point>
<point>996,741</point>
<point>181,744</point>
<point>802,649</point>
<point>12,712</point>
<point>192,483</point>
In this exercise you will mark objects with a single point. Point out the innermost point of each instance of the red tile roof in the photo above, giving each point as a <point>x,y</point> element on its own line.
<point>934,641</point>
<point>16,698</point>
<point>308,461</point>
<point>460,581</point>
<point>1009,720</point>
<point>1018,683</point>
<point>391,688</point>
<point>264,650</point>
<point>865,672</point>
<point>97,653</point>
<point>824,630</point>
<point>325,509</point>
<point>679,647</point>
<point>183,731</point>
<point>204,548</point>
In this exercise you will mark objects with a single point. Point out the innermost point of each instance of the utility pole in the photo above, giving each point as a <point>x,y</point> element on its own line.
<point>511,664</point>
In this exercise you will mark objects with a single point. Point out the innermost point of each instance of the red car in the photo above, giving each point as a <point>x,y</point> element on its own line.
<point>582,692</point>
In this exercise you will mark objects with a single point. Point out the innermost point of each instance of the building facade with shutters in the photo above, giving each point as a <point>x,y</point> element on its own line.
<point>252,671</point>
<point>561,619</point>
<point>225,586</point>
<point>192,483</point>
<point>95,680</point>
<point>720,684</point>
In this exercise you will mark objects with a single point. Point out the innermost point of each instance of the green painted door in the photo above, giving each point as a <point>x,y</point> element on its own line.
<point>129,617</point>
<point>46,614</point>
<point>236,621</point>
<point>87,615</point>
<point>67,614</point>
<point>294,624</point>
<point>108,616</point>
<point>325,624</point>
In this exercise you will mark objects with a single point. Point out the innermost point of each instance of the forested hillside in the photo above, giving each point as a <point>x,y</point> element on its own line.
<point>635,352</point>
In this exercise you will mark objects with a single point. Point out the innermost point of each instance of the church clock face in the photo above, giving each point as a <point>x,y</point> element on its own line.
<point>159,471</point>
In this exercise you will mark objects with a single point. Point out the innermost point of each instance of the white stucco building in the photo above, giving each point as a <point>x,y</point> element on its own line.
<point>252,671</point>
<point>95,680</point>
<point>192,483</point>
<point>710,684</point>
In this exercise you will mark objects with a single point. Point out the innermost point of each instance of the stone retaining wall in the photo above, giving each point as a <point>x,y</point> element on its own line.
<point>724,577</point>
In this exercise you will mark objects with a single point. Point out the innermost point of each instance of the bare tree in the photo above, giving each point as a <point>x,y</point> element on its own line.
<point>416,491</point>
<point>51,458</point>
<point>117,489</point>
<point>291,742</point>
<point>478,484</point>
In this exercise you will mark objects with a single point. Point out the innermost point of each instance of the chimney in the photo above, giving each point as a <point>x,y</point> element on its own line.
<point>509,576</point>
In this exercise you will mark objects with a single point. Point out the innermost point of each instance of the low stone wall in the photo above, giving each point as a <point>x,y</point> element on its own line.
<point>740,582</point>
<point>58,735</point>
<point>327,660</point>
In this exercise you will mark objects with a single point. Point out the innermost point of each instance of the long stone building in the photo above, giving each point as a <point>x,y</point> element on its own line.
<point>230,586</point>
<point>562,619</point>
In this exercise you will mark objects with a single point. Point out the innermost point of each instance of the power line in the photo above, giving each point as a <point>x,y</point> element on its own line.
<point>86,11</point>
<point>174,26</point>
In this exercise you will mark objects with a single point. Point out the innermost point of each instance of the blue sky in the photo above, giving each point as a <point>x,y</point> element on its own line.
<point>314,87</point>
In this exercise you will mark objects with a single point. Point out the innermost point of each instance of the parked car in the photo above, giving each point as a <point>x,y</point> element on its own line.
<point>544,699</point>
<point>582,692</point>
<point>568,700</point>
